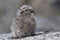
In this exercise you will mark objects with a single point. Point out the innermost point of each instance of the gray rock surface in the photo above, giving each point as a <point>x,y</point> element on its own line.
<point>48,36</point>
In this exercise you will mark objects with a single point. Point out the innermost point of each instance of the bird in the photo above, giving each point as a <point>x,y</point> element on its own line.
<point>24,24</point>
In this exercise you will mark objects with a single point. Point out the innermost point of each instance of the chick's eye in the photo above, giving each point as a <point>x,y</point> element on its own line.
<point>25,10</point>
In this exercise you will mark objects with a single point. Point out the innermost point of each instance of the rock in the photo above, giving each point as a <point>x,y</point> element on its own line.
<point>48,36</point>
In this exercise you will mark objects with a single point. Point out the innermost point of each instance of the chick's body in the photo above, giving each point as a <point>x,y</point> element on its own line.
<point>23,25</point>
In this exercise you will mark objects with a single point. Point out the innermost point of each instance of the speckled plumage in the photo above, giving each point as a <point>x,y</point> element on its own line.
<point>23,24</point>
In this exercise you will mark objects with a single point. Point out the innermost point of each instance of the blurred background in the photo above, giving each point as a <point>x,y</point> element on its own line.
<point>47,14</point>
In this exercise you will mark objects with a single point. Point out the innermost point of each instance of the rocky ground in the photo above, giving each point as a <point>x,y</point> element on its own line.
<point>48,36</point>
